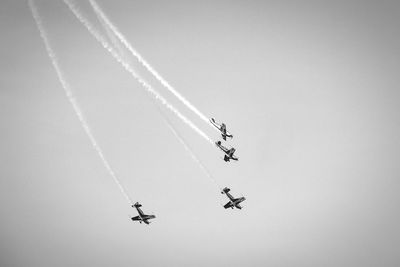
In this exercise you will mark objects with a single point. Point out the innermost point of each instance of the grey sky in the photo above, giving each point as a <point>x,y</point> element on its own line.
<point>308,88</point>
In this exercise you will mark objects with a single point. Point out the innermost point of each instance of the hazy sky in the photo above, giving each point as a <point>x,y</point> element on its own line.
<point>309,89</point>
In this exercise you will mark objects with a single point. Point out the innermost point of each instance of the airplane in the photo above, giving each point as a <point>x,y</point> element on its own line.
<point>233,202</point>
<point>222,128</point>
<point>229,152</point>
<point>142,217</point>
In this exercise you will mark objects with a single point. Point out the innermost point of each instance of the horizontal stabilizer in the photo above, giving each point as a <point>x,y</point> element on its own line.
<point>137,205</point>
<point>225,190</point>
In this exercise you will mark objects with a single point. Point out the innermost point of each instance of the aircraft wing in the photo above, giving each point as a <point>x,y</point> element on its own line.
<point>148,217</point>
<point>136,218</point>
<point>231,151</point>
<point>228,205</point>
<point>241,199</point>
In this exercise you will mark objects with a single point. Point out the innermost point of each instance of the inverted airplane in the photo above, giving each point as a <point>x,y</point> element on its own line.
<point>142,217</point>
<point>233,202</point>
<point>222,129</point>
<point>228,152</point>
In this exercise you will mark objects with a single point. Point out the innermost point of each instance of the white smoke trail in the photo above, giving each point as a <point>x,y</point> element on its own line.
<point>101,14</point>
<point>72,99</point>
<point>111,36</point>
<point>116,44</point>
<point>187,148</point>
<point>127,67</point>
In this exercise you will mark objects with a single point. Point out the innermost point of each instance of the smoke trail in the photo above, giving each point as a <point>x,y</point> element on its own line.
<point>111,36</point>
<point>127,67</point>
<point>187,148</point>
<point>115,43</point>
<point>101,14</point>
<point>72,99</point>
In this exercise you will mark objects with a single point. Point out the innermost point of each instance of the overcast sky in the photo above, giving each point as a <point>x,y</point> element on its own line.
<point>309,89</point>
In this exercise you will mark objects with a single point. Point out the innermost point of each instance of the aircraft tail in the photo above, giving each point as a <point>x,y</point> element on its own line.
<point>225,190</point>
<point>137,205</point>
